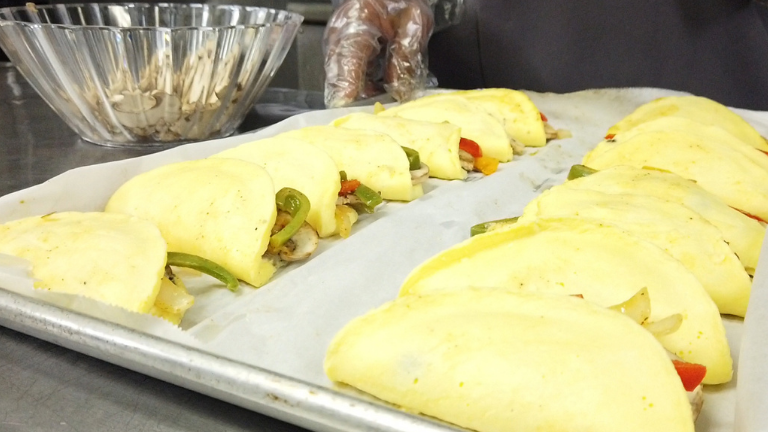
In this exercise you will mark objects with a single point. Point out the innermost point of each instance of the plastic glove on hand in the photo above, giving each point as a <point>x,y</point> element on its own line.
<point>355,64</point>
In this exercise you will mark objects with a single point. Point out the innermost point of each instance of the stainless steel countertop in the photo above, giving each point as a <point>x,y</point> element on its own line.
<point>44,387</point>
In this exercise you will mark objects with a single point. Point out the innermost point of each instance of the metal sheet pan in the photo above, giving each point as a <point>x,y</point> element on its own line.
<point>287,396</point>
<point>260,390</point>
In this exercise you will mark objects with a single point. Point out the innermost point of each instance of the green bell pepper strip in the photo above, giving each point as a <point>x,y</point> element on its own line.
<point>484,227</point>
<point>414,161</point>
<point>578,171</point>
<point>178,259</point>
<point>369,197</point>
<point>297,205</point>
<point>343,175</point>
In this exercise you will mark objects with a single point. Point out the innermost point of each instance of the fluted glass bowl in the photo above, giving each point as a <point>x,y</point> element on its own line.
<point>135,74</point>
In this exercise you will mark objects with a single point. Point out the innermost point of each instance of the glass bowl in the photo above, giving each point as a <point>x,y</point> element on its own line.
<point>134,74</point>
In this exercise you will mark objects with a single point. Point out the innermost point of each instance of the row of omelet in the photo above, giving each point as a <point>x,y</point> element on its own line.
<point>241,214</point>
<point>508,331</point>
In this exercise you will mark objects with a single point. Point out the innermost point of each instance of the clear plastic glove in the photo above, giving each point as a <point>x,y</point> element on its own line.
<point>376,45</point>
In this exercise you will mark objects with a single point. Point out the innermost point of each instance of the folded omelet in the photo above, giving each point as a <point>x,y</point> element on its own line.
<point>475,122</point>
<point>437,143</point>
<point>743,234</point>
<point>601,262</point>
<point>717,167</point>
<point>699,109</point>
<point>701,132</point>
<point>522,120</point>
<point>113,258</point>
<point>299,165</point>
<point>373,158</point>
<point>492,360</point>
<point>219,209</point>
<point>679,231</point>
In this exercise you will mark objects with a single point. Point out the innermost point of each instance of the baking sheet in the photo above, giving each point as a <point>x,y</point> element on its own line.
<point>285,326</point>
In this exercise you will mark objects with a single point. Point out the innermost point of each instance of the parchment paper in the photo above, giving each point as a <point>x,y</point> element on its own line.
<point>286,325</point>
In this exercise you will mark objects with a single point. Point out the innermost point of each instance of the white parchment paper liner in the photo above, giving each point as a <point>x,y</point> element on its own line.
<point>286,325</point>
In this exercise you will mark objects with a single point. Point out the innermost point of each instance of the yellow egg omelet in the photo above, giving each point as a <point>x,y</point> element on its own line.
<point>679,231</point>
<point>717,167</point>
<point>437,143</point>
<point>476,123</point>
<point>604,264</point>
<point>373,158</point>
<point>219,209</point>
<point>299,165</point>
<point>522,120</point>
<point>491,360</point>
<point>743,234</point>
<point>699,109</point>
<point>113,258</point>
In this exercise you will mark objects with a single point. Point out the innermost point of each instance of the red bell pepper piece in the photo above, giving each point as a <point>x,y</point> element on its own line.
<point>543,117</point>
<point>610,136</point>
<point>348,187</point>
<point>471,147</point>
<point>691,374</point>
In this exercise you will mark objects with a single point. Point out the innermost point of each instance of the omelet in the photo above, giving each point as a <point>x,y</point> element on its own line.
<point>112,258</point>
<point>437,143</point>
<point>679,231</point>
<point>717,167</point>
<point>220,209</point>
<point>522,120</point>
<point>493,360</point>
<point>701,132</point>
<point>699,109</point>
<point>601,262</point>
<point>475,122</point>
<point>301,166</point>
<point>743,234</point>
<point>373,158</point>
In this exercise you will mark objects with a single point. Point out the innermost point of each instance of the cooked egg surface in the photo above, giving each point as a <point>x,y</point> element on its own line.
<point>112,258</point>
<point>604,264</point>
<point>373,158</point>
<point>702,132</point>
<point>717,168</point>
<point>522,120</point>
<point>679,231</point>
<point>476,124</point>
<point>437,143</point>
<point>743,234</point>
<point>219,209</point>
<point>699,109</point>
<point>491,360</point>
<point>299,165</point>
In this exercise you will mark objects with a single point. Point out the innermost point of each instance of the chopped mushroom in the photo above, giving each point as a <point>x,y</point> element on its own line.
<point>420,175</point>
<point>301,245</point>
<point>348,199</point>
<point>467,160</point>
<point>136,110</point>
<point>696,398</point>
<point>517,147</point>
<point>549,131</point>
<point>170,103</point>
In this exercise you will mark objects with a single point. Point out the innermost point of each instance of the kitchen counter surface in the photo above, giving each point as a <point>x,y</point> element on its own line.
<point>46,388</point>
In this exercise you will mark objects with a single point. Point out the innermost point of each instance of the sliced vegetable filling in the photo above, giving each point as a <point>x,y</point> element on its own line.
<point>178,259</point>
<point>471,156</point>
<point>293,239</point>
